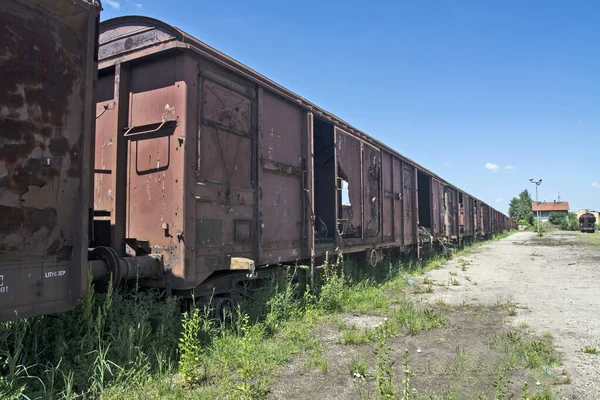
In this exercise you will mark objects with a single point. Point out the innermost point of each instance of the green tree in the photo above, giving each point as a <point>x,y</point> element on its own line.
<point>570,223</point>
<point>557,218</point>
<point>520,207</point>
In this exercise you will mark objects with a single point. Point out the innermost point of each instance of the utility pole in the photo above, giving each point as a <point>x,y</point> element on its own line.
<point>537,184</point>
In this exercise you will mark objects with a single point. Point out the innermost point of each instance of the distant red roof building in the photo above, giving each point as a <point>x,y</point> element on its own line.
<point>550,206</point>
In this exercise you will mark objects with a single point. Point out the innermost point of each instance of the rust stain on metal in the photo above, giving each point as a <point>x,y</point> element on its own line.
<point>34,172</point>
<point>47,66</point>
<point>17,140</point>
<point>23,222</point>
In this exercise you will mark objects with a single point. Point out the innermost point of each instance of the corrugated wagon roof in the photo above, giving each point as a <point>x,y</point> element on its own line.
<point>550,206</point>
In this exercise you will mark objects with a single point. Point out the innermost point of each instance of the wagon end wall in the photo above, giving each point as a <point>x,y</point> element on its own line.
<point>48,63</point>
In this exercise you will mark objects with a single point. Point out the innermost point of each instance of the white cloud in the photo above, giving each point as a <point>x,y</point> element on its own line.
<point>500,200</point>
<point>114,4</point>
<point>138,5</point>
<point>509,167</point>
<point>595,184</point>
<point>492,167</point>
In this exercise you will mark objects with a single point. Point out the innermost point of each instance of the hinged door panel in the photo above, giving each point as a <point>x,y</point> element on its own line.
<point>348,154</point>
<point>409,204</point>
<point>282,167</point>
<point>225,192</point>
<point>155,156</point>
<point>371,167</point>
<point>359,191</point>
<point>398,221</point>
<point>388,197</point>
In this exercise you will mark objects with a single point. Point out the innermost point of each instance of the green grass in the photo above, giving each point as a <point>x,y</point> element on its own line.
<point>358,367</point>
<point>356,336</point>
<point>111,346</point>
<point>590,350</point>
<point>530,352</point>
<point>107,347</point>
<point>410,319</point>
<point>316,360</point>
<point>592,239</point>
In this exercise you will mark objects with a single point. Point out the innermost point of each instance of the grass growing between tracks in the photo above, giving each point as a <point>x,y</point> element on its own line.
<point>134,345</point>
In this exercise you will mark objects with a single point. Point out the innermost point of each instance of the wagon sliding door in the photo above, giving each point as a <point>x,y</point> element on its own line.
<point>438,208</point>
<point>358,175</point>
<point>153,154</point>
<point>225,191</point>
<point>392,199</point>
<point>452,213</point>
<point>282,148</point>
<point>409,203</point>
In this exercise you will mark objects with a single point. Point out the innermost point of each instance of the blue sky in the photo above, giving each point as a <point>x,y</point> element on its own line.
<point>485,93</point>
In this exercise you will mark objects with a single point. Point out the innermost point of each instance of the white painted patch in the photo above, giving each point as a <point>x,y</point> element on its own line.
<point>55,274</point>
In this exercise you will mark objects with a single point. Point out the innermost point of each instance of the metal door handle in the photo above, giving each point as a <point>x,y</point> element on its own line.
<point>129,129</point>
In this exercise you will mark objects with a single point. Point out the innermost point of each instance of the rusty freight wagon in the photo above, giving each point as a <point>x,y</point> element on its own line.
<point>217,170</point>
<point>48,69</point>
<point>587,223</point>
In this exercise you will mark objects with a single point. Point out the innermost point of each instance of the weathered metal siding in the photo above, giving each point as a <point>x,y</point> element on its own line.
<point>393,194</point>
<point>398,195</point>
<point>371,167</point>
<point>437,199</point>
<point>409,203</point>
<point>140,146</point>
<point>226,200</point>
<point>388,197</point>
<point>452,217</point>
<point>467,215</point>
<point>487,219</point>
<point>156,138</point>
<point>349,176</point>
<point>475,216</point>
<point>359,183</point>
<point>482,218</point>
<point>105,147</point>
<point>147,157</point>
<point>282,140</point>
<point>471,217</point>
<point>47,59</point>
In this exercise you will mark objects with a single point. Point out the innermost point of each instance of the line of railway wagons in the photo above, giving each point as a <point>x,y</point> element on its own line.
<point>199,170</point>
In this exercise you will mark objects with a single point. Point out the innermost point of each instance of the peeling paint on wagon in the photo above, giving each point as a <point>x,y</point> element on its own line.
<point>47,59</point>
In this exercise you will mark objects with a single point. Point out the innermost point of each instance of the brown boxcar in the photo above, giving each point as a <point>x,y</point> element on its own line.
<point>211,165</point>
<point>48,64</point>
<point>215,168</point>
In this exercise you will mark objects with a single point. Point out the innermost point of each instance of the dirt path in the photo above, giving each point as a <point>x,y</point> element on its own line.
<point>552,286</point>
<point>556,278</point>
